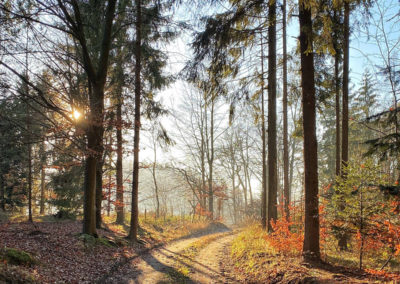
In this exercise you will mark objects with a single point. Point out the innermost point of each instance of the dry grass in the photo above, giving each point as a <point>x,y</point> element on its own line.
<point>254,261</point>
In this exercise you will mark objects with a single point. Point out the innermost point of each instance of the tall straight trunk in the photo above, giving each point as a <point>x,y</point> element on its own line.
<point>135,181</point>
<point>95,133</point>
<point>311,250</point>
<point>244,186</point>
<point>203,193</point>
<point>345,86</point>
<point>286,191</point>
<point>28,143</point>
<point>99,191</point>
<point>109,193</point>
<point>247,172</point>
<point>210,155</point>
<point>2,193</point>
<point>119,204</point>
<point>235,216</point>
<point>155,181</point>
<point>264,151</point>
<point>337,110</point>
<point>89,208</point>
<point>342,243</point>
<point>42,188</point>
<point>272,147</point>
<point>291,165</point>
<point>42,177</point>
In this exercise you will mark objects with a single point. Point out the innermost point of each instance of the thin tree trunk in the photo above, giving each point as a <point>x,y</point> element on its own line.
<point>109,193</point>
<point>210,158</point>
<point>203,198</point>
<point>272,148</point>
<point>2,193</point>
<point>337,109</point>
<point>42,177</point>
<point>119,204</point>
<point>285,120</point>
<point>264,163</point>
<point>311,249</point>
<point>135,181</point>
<point>155,182</point>
<point>42,188</point>
<point>28,141</point>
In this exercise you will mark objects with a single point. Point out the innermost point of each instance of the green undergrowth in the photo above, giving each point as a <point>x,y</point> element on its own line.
<point>13,266</point>
<point>90,241</point>
<point>17,257</point>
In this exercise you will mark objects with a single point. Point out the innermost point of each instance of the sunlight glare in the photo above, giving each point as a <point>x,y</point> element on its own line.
<point>76,114</point>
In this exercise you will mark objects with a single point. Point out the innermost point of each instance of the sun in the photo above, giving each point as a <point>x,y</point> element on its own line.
<point>76,114</point>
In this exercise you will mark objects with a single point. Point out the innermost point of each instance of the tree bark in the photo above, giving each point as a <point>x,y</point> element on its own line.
<point>89,216</point>
<point>155,180</point>
<point>345,118</point>
<point>337,110</point>
<point>286,191</point>
<point>311,249</point>
<point>272,147</point>
<point>345,112</point>
<point>264,152</point>
<point>2,193</point>
<point>42,177</point>
<point>119,204</point>
<point>135,181</point>
<point>210,155</point>
<point>28,142</point>
<point>42,188</point>
<point>99,191</point>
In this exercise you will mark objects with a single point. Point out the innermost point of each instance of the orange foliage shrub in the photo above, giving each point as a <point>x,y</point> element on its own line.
<point>287,237</point>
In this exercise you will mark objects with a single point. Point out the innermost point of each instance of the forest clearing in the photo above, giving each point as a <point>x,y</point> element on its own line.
<point>199,141</point>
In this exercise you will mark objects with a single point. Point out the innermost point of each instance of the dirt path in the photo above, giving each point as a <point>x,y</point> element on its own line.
<point>207,267</point>
<point>161,265</point>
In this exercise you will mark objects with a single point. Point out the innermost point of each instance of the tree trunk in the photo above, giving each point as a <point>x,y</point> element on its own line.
<point>94,154</point>
<point>28,141</point>
<point>119,204</point>
<point>311,250</point>
<point>337,110</point>
<point>42,188</point>
<point>89,208</point>
<point>264,163</point>
<point>345,112</point>
<point>155,181</point>
<point>210,155</point>
<point>272,150</point>
<point>2,193</point>
<point>42,177</point>
<point>286,191</point>
<point>345,118</point>
<point>109,193</point>
<point>99,191</point>
<point>135,180</point>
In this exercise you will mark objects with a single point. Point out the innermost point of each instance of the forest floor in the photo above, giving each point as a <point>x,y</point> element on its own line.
<point>173,251</point>
<point>58,252</point>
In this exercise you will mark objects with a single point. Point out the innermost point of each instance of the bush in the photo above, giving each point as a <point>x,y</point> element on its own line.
<point>18,257</point>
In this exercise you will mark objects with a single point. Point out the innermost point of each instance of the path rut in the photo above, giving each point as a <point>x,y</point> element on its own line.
<point>159,265</point>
